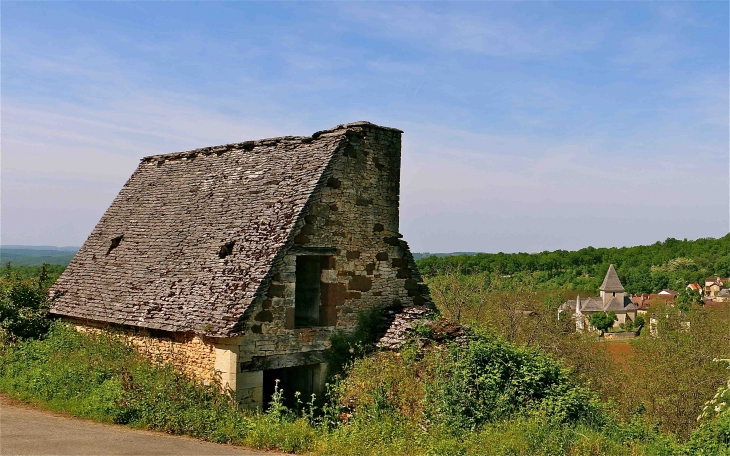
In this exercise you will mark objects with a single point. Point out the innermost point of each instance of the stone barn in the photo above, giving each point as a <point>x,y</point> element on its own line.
<point>240,261</point>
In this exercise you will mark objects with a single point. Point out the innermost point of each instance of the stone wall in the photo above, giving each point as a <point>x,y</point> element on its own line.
<point>353,215</point>
<point>190,352</point>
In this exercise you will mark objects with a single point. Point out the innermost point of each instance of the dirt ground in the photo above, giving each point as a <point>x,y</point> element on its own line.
<point>619,350</point>
<point>26,430</point>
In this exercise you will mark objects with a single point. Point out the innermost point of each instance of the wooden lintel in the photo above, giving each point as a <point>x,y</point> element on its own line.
<point>280,361</point>
<point>298,250</point>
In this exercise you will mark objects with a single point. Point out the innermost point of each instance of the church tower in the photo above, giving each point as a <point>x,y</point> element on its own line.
<point>611,287</point>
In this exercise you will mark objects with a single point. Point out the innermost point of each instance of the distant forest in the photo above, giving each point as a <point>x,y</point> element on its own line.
<point>643,269</point>
<point>21,255</point>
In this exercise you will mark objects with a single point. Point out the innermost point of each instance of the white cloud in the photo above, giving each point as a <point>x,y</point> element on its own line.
<point>500,35</point>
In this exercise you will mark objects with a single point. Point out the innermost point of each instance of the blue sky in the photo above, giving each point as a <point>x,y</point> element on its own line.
<point>528,125</point>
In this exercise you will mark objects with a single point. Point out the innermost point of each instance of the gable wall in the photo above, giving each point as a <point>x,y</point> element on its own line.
<point>355,210</point>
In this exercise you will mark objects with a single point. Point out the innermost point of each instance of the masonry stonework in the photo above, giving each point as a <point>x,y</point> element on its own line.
<point>190,352</point>
<point>334,195</point>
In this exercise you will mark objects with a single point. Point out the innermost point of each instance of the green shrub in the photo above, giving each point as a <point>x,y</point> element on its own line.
<point>346,347</point>
<point>712,437</point>
<point>491,380</point>
<point>101,377</point>
<point>23,305</point>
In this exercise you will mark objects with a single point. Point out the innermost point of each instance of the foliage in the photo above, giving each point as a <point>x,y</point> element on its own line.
<point>687,298</point>
<point>490,398</point>
<point>603,320</point>
<point>505,306</point>
<point>346,347</point>
<point>101,377</point>
<point>393,401</point>
<point>722,266</point>
<point>643,269</point>
<point>501,395</point>
<point>490,380</point>
<point>672,374</point>
<point>53,271</point>
<point>675,370</point>
<point>639,322</point>
<point>463,388</point>
<point>713,434</point>
<point>23,303</point>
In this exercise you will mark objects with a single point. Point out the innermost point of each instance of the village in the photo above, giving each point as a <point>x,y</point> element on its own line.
<point>623,316</point>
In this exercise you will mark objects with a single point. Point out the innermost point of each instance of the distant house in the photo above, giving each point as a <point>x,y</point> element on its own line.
<point>723,295</point>
<point>713,285</point>
<point>612,298</point>
<point>695,287</point>
<point>641,301</point>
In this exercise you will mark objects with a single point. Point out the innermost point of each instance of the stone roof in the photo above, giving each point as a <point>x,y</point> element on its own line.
<point>594,304</point>
<point>616,305</point>
<point>190,239</point>
<point>611,282</point>
<point>591,304</point>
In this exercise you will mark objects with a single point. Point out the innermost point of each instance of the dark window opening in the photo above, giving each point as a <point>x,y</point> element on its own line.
<point>308,295</point>
<point>291,380</point>
<point>115,243</point>
<point>226,249</point>
<point>614,294</point>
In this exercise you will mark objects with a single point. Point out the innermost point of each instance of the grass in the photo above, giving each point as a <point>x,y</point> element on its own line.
<point>98,376</point>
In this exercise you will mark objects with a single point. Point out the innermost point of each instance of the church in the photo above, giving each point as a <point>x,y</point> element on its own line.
<point>612,298</point>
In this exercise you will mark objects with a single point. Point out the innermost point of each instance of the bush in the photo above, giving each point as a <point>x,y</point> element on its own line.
<point>462,389</point>
<point>23,305</point>
<point>491,380</point>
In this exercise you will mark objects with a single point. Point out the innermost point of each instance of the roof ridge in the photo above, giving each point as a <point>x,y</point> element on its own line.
<point>249,145</point>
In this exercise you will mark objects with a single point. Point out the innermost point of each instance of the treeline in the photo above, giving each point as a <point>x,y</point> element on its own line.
<point>48,272</point>
<point>643,269</point>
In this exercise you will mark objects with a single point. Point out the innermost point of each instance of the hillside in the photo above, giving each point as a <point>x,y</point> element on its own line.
<point>24,255</point>
<point>643,269</point>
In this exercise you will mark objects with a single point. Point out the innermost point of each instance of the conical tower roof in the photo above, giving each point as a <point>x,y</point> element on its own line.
<point>611,282</point>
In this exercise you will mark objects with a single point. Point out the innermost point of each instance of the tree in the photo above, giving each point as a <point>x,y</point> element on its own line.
<point>687,297</point>
<point>602,320</point>
<point>675,370</point>
<point>722,267</point>
<point>23,305</point>
<point>639,322</point>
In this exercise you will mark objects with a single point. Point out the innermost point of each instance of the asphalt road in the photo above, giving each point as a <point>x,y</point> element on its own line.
<point>26,430</point>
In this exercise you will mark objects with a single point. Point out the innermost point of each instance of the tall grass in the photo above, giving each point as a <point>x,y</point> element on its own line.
<point>407,403</point>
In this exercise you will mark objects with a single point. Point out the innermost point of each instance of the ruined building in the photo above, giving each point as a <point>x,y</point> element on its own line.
<point>242,260</point>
